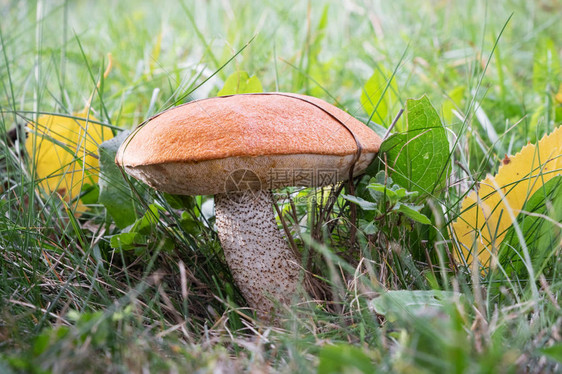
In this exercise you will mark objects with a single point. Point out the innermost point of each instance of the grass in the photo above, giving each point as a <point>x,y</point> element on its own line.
<point>70,302</point>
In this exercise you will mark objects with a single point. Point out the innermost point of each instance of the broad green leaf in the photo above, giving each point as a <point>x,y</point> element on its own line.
<point>136,235</point>
<point>382,189</point>
<point>127,240</point>
<point>412,212</point>
<point>146,224</point>
<point>41,343</point>
<point>394,140</point>
<point>240,82</point>
<point>343,358</point>
<point>189,225</point>
<point>368,227</point>
<point>393,193</point>
<point>542,236</point>
<point>90,193</point>
<point>419,158</point>
<point>379,93</point>
<point>115,193</point>
<point>183,202</point>
<point>401,304</point>
<point>554,352</point>
<point>363,204</point>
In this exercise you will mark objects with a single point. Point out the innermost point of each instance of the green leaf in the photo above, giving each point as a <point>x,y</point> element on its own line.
<point>377,187</point>
<point>554,352</point>
<point>363,204</point>
<point>189,225</point>
<point>136,235</point>
<point>412,212</point>
<point>402,304</point>
<point>542,236</point>
<point>343,358</point>
<point>179,201</point>
<point>240,82</point>
<point>146,224</point>
<point>393,141</point>
<point>394,193</point>
<point>379,93</point>
<point>89,194</point>
<point>127,240</point>
<point>419,158</point>
<point>41,343</point>
<point>368,227</point>
<point>115,194</point>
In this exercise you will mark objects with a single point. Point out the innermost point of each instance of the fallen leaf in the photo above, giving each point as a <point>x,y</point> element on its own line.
<point>484,218</point>
<point>63,150</point>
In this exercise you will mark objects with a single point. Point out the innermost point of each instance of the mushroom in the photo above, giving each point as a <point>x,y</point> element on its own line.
<point>239,148</point>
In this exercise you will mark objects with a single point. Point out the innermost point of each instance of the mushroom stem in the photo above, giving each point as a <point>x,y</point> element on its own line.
<point>264,268</point>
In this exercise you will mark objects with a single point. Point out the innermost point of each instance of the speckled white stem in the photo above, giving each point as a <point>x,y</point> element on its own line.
<point>261,262</point>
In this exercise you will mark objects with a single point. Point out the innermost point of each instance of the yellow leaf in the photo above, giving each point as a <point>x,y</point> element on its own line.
<point>64,152</point>
<point>484,218</point>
